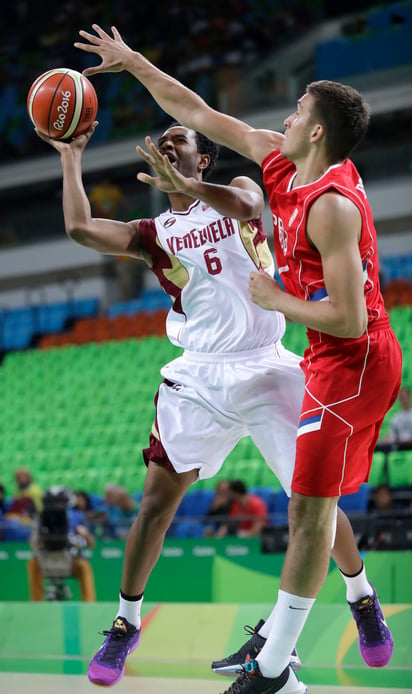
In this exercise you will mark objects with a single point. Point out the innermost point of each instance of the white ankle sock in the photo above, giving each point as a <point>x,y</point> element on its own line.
<point>357,586</point>
<point>287,621</point>
<point>266,627</point>
<point>130,610</point>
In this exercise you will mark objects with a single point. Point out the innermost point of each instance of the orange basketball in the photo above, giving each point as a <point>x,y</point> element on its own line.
<point>62,103</point>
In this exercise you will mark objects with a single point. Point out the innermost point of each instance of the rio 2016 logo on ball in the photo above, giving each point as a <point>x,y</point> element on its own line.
<point>62,103</point>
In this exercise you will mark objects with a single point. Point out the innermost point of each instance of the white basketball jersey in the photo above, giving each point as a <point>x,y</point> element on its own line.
<point>203,261</point>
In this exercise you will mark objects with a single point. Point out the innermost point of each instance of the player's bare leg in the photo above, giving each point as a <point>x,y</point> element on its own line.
<point>345,551</point>
<point>162,494</point>
<point>310,539</point>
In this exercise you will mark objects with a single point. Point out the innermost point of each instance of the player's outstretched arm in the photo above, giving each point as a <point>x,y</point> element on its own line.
<point>102,235</point>
<point>242,199</point>
<point>177,100</point>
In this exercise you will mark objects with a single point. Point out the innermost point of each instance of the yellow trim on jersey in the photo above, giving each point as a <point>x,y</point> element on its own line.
<point>155,432</point>
<point>177,274</point>
<point>260,254</point>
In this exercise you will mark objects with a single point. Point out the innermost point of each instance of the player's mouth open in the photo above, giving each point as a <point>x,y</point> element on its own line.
<point>171,157</point>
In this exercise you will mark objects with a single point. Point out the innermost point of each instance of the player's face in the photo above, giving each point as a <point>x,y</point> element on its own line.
<point>180,146</point>
<point>298,129</point>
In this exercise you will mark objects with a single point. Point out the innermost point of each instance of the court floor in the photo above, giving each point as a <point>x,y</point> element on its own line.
<point>67,684</point>
<point>46,649</point>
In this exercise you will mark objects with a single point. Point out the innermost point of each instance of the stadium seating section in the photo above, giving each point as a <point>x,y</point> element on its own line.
<point>78,409</point>
<point>377,40</point>
<point>245,33</point>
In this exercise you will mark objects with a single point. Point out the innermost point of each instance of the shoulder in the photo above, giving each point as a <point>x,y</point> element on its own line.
<point>143,240</point>
<point>334,212</point>
<point>252,190</point>
<point>247,183</point>
<point>334,203</point>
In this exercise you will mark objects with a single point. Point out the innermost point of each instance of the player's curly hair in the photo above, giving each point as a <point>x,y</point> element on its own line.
<point>204,146</point>
<point>344,114</point>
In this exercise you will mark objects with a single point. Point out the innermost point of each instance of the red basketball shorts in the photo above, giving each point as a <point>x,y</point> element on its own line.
<point>349,387</point>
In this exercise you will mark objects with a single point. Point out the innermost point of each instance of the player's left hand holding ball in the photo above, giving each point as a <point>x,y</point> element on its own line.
<point>79,142</point>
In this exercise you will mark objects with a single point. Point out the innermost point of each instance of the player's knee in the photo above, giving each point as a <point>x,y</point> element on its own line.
<point>311,516</point>
<point>155,513</point>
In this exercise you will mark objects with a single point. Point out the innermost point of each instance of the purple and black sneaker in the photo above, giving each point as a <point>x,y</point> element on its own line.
<point>106,668</point>
<point>375,639</point>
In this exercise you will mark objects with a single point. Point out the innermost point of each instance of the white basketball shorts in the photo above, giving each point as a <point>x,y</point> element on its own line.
<point>210,401</point>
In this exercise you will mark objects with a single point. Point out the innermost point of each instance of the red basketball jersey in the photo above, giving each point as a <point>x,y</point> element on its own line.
<point>350,384</point>
<point>300,265</point>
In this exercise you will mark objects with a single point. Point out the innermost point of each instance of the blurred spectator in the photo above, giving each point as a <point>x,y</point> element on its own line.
<point>27,499</point>
<point>219,508</point>
<point>248,513</point>
<point>209,41</point>
<point>117,512</point>
<point>59,536</point>
<point>401,422</point>
<point>3,503</point>
<point>82,501</point>
<point>388,501</point>
<point>15,517</point>
<point>129,276</point>
<point>106,199</point>
<point>2,509</point>
<point>382,499</point>
<point>108,202</point>
<point>82,508</point>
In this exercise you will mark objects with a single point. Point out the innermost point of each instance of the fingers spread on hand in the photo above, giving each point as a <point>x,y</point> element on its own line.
<point>100,31</point>
<point>90,37</point>
<point>145,178</point>
<point>151,145</point>
<point>116,34</point>
<point>144,155</point>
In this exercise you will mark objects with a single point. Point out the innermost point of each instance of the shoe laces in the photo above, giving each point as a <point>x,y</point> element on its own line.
<point>245,676</point>
<point>251,670</point>
<point>250,631</point>
<point>369,618</point>
<point>115,645</point>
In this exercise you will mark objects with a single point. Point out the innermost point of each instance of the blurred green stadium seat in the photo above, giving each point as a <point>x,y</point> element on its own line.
<point>377,473</point>
<point>79,412</point>
<point>400,468</point>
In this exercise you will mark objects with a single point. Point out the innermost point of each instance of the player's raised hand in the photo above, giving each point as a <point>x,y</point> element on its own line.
<point>169,179</point>
<point>112,50</point>
<point>78,142</point>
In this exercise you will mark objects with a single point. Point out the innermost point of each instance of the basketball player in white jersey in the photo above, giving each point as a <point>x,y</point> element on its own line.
<point>234,378</point>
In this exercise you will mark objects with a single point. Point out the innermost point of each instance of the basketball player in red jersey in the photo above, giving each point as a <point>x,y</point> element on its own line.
<point>325,245</point>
